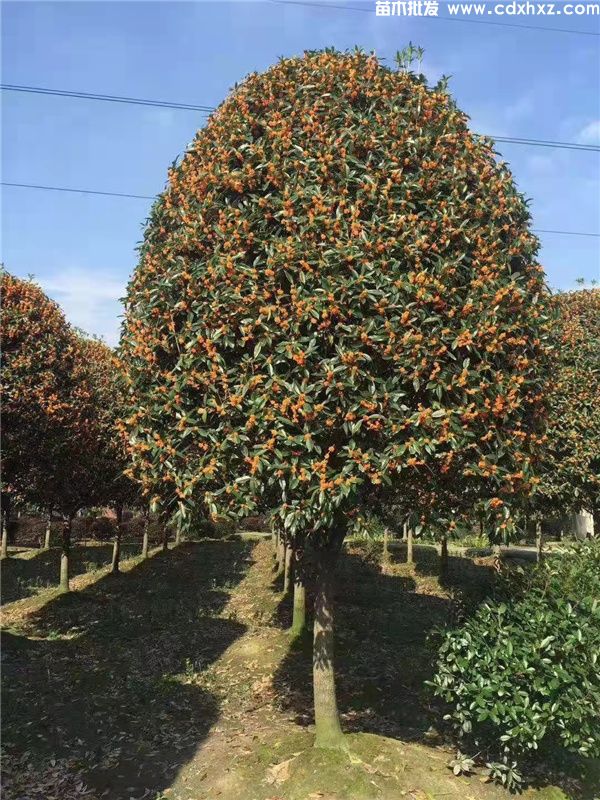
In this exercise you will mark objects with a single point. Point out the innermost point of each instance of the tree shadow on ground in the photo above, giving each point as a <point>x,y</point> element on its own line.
<point>100,675</point>
<point>23,577</point>
<point>382,656</point>
<point>384,650</point>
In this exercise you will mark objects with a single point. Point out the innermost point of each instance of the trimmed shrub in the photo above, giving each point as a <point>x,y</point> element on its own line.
<point>524,673</point>
<point>103,529</point>
<point>258,523</point>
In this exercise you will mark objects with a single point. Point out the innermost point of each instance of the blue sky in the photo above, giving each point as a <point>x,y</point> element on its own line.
<point>517,82</point>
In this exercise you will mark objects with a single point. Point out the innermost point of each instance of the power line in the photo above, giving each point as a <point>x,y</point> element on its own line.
<point>110,98</point>
<point>207,109</point>
<point>77,191</point>
<point>151,197</point>
<point>441,19</point>
<point>590,148</point>
<point>566,233</point>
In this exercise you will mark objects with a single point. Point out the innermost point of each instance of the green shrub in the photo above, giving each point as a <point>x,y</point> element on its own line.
<point>525,673</point>
<point>368,526</point>
<point>102,528</point>
<point>204,528</point>
<point>260,523</point>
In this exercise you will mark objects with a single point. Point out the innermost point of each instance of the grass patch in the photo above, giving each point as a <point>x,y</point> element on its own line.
<point>178,679</point>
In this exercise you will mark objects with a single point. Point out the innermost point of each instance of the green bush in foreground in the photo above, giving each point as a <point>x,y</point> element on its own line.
<point>525,673</point>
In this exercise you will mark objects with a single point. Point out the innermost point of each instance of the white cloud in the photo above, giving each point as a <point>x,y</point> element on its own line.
<point>89,299</point>
<point>590,134</point>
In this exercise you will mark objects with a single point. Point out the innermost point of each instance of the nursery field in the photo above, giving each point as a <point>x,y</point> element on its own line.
<point>178,679</point>
<point>338,336</point>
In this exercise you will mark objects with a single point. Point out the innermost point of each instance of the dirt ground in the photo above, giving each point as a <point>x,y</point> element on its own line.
<point>178,679</point>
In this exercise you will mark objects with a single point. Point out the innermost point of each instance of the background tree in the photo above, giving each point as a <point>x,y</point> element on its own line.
<point>338,290</point>
<point>570,468</point>
<point>107,448</point>
<point>61,399</point>
<point>38,353</point>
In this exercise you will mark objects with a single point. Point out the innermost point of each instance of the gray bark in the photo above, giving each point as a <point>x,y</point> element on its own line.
<point>145,537</point>
<point>65,554</point>
<point>409,547</point>
<point>287,573</point>
<point>327,720</point>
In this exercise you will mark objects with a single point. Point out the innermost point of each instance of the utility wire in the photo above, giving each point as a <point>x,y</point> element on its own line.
<point>207,109</point>
<point>110,98</point>
<point>440,19</point>
<point>151,197</point>
<point>590,148</point>
<point>77,191</point>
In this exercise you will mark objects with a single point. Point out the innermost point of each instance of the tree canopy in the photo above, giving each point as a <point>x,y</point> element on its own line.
<point>571,465</point>
<point>38,356</point>
<point>337,290</point>
<point>61,404</point>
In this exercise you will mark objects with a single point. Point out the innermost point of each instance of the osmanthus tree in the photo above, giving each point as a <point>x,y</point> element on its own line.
<point>38,352</point>
<point>107,454</point>
<point>570,467</point>
<point>338,290</point>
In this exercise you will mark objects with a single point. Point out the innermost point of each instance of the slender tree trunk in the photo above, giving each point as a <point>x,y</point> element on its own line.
<point>299,615</point>
<point>4,549</point>
<point>287,571</point>
<point>12,527</point>
<point>65,553</point>
<point>178,534</point>
<point>327,720</point>
<point>444,558</point>
<point>145,536</point>
<point>409,546</point>
<point>48,531</point>
<point>385,560</point>
<point>539,541</point>
<point>165,539</point>
<point>280,555</point>
<point>404,531</point>
<point>116,556</point>
<point>275,543</point>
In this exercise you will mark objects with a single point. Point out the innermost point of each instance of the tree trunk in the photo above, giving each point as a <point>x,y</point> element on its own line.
<point>48,531</point>
<point>327,720</point>
<point>4,550</point>
<point>404,531</point>
<point>178,534</point>
<point>409,547</point>
<point>165,539</point>
<point>385,559</point>
<point>116,556</point>
<point>444,558</point>
<point>299,615</point>
<point>145,536</point>
<point>64,556</point>
<point>280,555</point>
<point>539,541</point>
<point>287,572</point>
